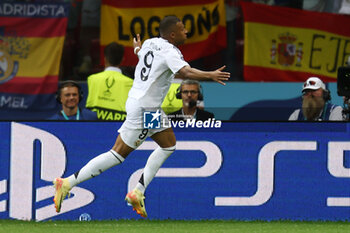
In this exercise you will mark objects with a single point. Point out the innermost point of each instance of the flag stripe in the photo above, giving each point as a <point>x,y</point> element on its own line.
<point>43,58</point>
<point>28,85</point>
<point>154,3</point>
<point>204,48</point>
<point>289,17</point>
<point>46,28</point>
<point>274,75</point>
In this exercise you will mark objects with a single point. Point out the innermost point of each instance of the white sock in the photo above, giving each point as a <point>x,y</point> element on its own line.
<point>154,162</point>
<point>95,167</point>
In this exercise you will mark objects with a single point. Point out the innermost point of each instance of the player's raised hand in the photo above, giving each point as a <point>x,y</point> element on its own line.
<point>137,41</point>
<point>220,76</point>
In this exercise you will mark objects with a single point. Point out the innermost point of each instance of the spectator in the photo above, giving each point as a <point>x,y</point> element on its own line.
<point>69,94</point>
<point>190,92</point>
<point>316,105</point>
<point>108,90</point>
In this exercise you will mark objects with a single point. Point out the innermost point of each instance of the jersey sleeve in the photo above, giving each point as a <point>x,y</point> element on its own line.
<point>174,60</point>
<point>294,115</point>
<point>336,114</point>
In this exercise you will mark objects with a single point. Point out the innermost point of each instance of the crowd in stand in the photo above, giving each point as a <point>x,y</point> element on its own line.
<point>81,54</point>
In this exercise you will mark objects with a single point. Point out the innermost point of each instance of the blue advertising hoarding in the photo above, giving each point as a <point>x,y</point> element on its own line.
<point>245,171</point>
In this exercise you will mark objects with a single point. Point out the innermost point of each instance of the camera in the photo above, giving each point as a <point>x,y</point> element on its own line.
<point>343,81</point>
<point>343,88</point>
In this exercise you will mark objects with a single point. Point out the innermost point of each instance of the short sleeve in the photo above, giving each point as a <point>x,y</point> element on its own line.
<point>174,60</point>
<point>294,115</point>
<point>336,114</point>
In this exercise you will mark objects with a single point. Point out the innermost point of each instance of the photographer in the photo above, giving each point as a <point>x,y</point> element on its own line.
<point>316,105</point>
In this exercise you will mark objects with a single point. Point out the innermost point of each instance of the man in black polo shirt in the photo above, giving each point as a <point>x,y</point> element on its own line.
<point>190,92</point>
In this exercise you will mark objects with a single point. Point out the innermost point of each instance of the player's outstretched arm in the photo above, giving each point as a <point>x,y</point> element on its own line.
<point>218,75</point>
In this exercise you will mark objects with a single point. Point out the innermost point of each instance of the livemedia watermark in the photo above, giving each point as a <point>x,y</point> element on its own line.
<point>154,120</point>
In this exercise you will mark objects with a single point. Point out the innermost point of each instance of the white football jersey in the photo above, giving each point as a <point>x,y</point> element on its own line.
<point>159,61</point>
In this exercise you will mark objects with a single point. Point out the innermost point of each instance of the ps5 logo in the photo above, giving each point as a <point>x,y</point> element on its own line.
<point>23,192</point>
<point>266,166</point>
<point>29,188</point>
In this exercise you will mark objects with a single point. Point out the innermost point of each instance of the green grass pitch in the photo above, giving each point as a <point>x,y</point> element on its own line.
<point>166,226</point>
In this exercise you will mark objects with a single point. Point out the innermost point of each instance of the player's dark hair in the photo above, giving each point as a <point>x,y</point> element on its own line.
<point>114,53</point>
<point>166,24</point>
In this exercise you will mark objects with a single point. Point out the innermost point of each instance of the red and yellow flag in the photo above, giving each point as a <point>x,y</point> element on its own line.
<point>204,19</point>
<point>286,44</point>
<point>31,43</point>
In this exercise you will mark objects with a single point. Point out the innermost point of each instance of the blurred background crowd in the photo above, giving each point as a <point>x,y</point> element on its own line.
<point>267,71</point>
<point>81,53</point>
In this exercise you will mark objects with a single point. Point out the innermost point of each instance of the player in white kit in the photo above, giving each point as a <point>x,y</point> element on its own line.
<point>159,62</point>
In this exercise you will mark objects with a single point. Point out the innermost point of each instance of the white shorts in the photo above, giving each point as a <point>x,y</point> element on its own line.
<point>132,131</point>
<point>134,115</point>
<point>135,137</point>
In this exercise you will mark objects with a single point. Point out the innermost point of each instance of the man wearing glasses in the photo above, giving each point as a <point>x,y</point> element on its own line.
<point>316,105</point>
<point>190,92</point>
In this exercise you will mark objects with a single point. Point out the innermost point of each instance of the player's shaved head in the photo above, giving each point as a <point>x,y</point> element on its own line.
<point>167,25</point>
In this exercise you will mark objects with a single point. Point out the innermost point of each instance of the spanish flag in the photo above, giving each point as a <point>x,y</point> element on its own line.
<point>204,19</point>
<point>31,43</point>
<point>286,44</point>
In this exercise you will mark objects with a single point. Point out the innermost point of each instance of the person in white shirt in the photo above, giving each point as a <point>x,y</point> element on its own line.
<point>159,62</point>
<point>316,105</point>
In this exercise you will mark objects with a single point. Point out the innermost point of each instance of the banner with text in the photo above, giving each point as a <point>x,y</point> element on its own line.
<point>31,43</point>
<point>204,19</point>
<point>243,171</point>
<point>286,44</point>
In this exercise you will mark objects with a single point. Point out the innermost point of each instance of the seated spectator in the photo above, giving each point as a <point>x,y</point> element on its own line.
<point>190,92</point>
<point>69,94</point>
<point>316,105</point>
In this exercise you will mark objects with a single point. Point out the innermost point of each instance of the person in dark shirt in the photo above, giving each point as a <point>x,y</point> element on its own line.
<point>69,94</point>
<point>190,92</point>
